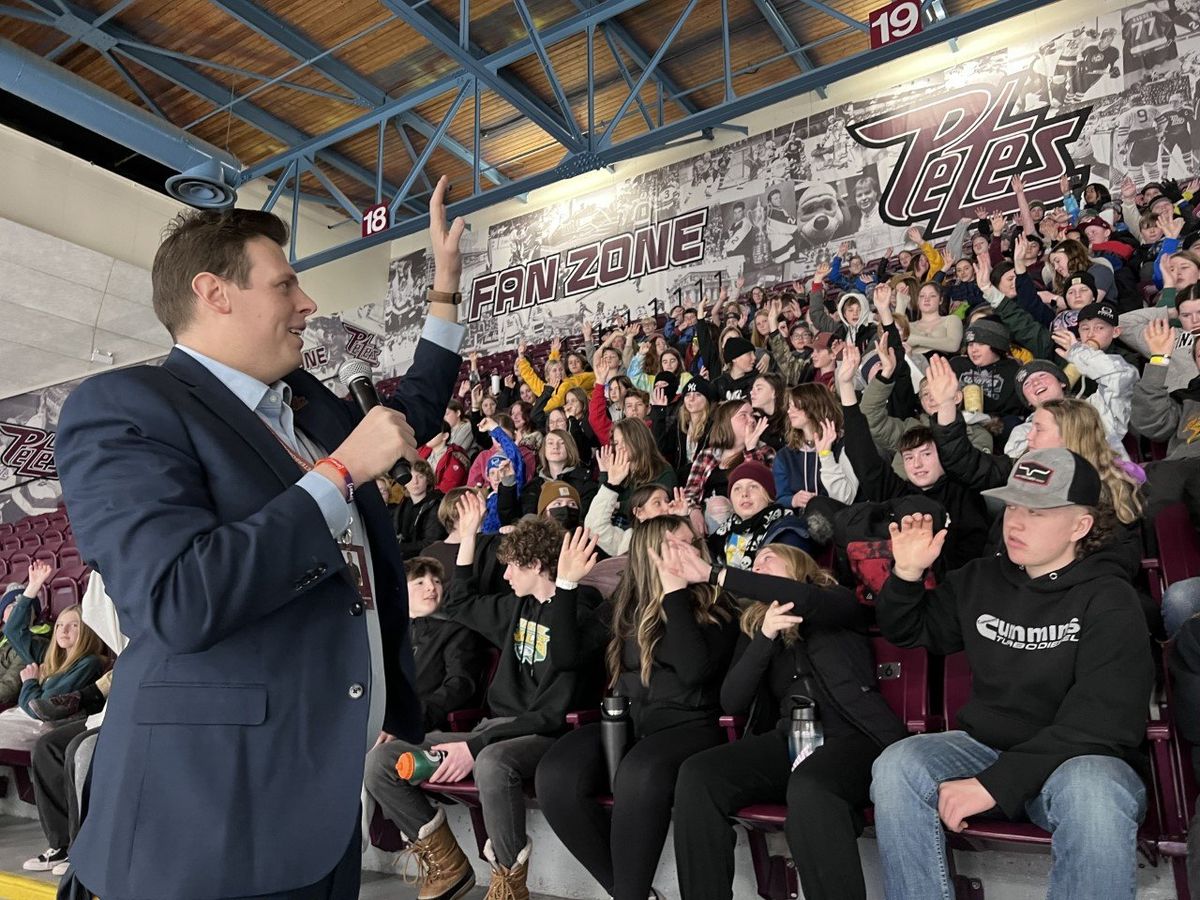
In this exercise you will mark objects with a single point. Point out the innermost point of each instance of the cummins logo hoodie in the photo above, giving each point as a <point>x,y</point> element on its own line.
<point>1061,663</point>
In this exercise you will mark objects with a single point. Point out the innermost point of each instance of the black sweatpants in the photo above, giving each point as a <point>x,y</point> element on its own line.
<point>53,777</point>
<point>622,854</point>
<point>825,797</point>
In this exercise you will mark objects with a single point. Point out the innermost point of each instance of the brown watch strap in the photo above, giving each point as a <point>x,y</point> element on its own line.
<point>432,296</point>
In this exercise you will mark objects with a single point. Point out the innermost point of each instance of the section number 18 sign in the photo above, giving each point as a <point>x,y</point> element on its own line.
<point>375,220</point>
<point>895,21</point>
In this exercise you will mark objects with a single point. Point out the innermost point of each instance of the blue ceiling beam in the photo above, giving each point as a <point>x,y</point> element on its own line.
<point>271,27</point>
<point>178,73</point>
<point>837,14</point>
<point>787,37</point>
<point>639,55</point>
<point>954,26</point>
<point>64,93</point>
<point>443,35</point>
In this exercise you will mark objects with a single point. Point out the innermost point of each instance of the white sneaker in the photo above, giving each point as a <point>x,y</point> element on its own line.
<point>61,869</point>
<point>46,860</point>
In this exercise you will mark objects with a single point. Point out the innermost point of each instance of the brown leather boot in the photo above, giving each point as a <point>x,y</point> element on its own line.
<point>508,883</point>
<point>443,870</point>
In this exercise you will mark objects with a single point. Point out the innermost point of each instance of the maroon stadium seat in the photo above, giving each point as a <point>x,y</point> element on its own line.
<point>18,566</point>
<point>1178,547</point>
<point>11,542</point>
<point>6,528</point>
<point>64,592</point>
<point>68,557</point>
<point>31,541</point>
<point>40,523</point>
<point>22,526</point>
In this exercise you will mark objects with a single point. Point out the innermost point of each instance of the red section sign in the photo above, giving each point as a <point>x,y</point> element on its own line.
<point>375,219</point>
<point>892,22</point>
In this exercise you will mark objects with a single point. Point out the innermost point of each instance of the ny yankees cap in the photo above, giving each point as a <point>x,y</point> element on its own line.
<point>1049,479</point>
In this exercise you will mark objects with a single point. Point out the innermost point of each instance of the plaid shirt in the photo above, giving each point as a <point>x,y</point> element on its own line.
<point>708,459</point>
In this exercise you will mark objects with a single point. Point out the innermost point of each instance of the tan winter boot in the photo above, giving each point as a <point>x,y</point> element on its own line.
<point>508,884</point>
<point>443,870</point>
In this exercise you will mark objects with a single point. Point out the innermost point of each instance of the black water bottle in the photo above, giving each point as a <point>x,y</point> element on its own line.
<point>615,728</point>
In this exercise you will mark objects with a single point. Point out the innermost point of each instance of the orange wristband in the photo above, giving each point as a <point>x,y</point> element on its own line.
<point>341,470</point>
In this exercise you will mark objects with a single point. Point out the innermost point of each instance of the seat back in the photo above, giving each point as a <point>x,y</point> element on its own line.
<point>6,528</point>
<point>31,541</point>
<point>11,542</point>
<point>903,677</point>
<point>956,687</point>
<point>68,557</point>
<point>1178,547</point>
<point>64,592</point>
<point>18,566</point>
<point>40,523</point>
<point>22,526</point>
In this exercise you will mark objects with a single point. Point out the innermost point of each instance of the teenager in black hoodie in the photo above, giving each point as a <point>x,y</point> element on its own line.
<point>668,653</point>
<point>878,482</point>
<point>1062,673</point>
<point>804,637</point>
<point>528,699</point>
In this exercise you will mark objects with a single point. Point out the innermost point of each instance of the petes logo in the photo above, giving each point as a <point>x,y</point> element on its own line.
<point>362,344</point>
<point>1027,637</point>
<point>31,454</point>
<point>959,152</point>
<point>1033,473</point>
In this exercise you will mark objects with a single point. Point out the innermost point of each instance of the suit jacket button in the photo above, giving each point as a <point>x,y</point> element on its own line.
<point>356,609</point>
<point>356,691</point>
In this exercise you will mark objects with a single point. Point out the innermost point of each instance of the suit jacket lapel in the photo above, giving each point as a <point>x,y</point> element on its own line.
<point>243,421</point>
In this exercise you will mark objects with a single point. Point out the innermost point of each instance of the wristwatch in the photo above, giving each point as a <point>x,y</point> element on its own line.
<point>714,573</point>
<point>432,296</point>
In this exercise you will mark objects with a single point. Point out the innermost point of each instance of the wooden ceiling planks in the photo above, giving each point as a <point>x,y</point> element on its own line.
<point>396,59</point>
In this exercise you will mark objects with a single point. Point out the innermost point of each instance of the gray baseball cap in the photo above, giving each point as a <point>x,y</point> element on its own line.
<point>1048,479</point>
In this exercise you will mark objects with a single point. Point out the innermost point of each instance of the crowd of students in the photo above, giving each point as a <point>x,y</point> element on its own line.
<point>642,513</point>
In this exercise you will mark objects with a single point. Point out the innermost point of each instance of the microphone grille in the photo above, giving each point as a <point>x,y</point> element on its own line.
<point>352,369</point>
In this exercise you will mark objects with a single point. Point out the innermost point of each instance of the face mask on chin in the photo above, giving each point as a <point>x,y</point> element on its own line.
<point>566,516</point>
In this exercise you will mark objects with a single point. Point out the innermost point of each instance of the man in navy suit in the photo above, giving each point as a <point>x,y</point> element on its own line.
<point>224,496</point>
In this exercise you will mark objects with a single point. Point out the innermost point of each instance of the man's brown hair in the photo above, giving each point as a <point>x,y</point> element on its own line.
<point>200,240</point>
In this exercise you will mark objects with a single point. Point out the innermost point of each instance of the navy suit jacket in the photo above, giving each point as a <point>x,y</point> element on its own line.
<point>231,757</point>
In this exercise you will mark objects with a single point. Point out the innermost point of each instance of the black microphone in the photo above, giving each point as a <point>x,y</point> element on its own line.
<point>356,376</point>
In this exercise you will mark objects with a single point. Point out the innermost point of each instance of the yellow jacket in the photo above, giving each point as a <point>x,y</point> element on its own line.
<point>585,380</point>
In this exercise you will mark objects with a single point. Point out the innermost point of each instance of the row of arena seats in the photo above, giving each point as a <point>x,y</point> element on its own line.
<point>926,693</point>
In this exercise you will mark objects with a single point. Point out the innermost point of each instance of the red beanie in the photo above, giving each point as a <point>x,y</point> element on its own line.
<point>755,471</point>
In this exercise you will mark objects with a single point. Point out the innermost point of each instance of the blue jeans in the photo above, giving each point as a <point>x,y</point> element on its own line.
<point>1091,804</point>
<point>1180,602</point>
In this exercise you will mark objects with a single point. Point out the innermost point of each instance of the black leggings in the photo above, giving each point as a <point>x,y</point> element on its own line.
<point>622,854</point>
<point>825,797</point>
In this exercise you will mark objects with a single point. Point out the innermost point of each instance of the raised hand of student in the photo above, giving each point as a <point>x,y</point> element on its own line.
<point>678,505</point>
<point>823,270</point>
<point>1128,190</point>
<point>618,467</point>
<point>914,546</point>
<point>39,573</point>
<point>961,799</point>
<point>754,435</point>
<point>763,365</point>
<point>887,356</point>
<point>777,620</point>
<point>555,344</point>
<point>522,346</point>
<point>1166,270</point>
<point>983,272</point>
<point>578,555</point>
<point>1160,337</point>
<point>471,511</point>
<point>1065,339</point>
<point>684,561</point>
<point>456,766</point>
<point>826,437</point>
<point>658,396</point>
<point>851,357</point>
<point>941,381</point>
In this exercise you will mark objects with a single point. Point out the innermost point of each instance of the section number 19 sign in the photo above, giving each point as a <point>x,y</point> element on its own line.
<point>895,21</point>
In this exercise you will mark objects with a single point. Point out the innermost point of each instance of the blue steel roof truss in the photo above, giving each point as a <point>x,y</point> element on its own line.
<point>595,146</point>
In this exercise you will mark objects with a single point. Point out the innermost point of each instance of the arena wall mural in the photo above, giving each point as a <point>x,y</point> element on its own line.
<point>1116,95</point>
